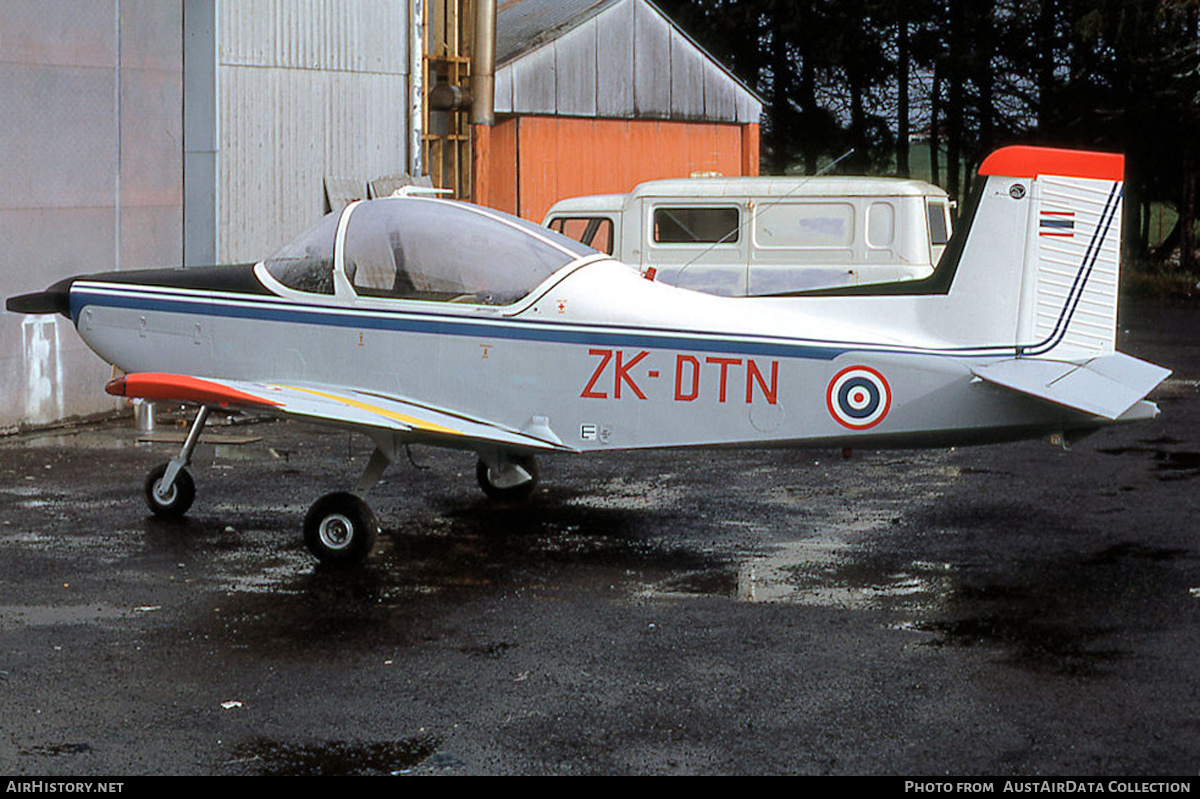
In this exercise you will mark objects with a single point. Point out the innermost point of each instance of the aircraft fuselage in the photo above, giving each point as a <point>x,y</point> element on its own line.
<point>598,381</point>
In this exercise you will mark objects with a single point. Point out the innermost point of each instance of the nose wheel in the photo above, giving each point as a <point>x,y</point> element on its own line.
<point>173,500</point>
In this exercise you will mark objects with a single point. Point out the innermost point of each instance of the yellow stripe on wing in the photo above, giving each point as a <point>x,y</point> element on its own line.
<point>414,421</point>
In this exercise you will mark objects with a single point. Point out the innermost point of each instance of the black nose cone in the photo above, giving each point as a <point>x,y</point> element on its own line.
<point>56,299</point>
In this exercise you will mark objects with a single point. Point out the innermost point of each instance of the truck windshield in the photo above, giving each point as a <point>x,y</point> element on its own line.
<point>594,231</point>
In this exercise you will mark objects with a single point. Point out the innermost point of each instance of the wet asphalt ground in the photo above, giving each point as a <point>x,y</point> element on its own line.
<point>1009,610</point>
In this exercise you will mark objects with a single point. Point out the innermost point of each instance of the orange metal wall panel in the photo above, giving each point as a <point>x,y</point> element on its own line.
<point>529,163</point>
<point>495,163</point>
<point>566,157</point>
<point>750,151</point>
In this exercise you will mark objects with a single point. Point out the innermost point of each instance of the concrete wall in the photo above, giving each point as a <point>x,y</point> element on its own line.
<point>91,97</point>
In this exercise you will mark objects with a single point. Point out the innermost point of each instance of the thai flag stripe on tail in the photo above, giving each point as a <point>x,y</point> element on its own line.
<point>1057,223</point>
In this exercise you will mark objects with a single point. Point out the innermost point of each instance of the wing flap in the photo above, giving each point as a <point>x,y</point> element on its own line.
<point>338,406</point>
<point>1107,386</point>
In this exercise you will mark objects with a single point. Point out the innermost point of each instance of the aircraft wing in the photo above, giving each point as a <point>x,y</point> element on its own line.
<point>338,406</point>
<point>1107,386</point>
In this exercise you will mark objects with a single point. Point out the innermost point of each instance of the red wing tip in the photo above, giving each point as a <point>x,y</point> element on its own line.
<point>183,388</point>
<point>116,386</point>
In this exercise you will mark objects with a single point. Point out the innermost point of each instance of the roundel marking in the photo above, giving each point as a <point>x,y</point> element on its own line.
<point>858,397</point>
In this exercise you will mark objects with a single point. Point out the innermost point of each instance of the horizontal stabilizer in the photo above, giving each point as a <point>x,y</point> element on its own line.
<point>1107,386</point>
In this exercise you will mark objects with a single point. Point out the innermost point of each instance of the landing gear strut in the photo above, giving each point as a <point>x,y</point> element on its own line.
<point>169,489</point>
<point>340,528</point>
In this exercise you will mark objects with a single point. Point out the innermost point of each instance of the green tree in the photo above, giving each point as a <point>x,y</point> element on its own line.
<point>875,75</point>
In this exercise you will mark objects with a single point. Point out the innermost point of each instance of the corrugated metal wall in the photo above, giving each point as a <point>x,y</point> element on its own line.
<point>308,89</point>
<point>626,62</point>
<point>90,93</point>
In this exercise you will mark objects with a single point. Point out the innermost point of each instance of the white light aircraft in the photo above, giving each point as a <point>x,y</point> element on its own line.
<point>422,320</point>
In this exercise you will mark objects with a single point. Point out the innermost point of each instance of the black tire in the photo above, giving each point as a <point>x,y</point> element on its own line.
<point>483,474</point>
<point>178,502</point>
<point>340,529</point>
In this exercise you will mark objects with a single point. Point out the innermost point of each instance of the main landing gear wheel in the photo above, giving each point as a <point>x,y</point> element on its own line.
<point>510,485</point>
<point>175,502</point>
<point>340,529</point>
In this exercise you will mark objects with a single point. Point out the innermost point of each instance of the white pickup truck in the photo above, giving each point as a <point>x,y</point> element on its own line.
<point>766,235</point>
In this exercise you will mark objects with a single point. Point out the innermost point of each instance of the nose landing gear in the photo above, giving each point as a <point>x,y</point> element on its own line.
<point>169,489</point>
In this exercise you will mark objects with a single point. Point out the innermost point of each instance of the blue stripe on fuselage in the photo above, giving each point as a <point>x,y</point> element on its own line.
<point>374,319</point>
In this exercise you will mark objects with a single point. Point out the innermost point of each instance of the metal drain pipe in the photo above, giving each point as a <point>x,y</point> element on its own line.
<point>483,66</point>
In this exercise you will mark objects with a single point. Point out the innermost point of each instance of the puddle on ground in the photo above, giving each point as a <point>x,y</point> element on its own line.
<point>56,750</point>
<point>827,573</point>
<point>829,568</point>
<point>1169,464</point>
<point>633,495</point>
<point>275,579</point>
<point>12,616</point>
<point>1029,639</point>
<point>267,758</point>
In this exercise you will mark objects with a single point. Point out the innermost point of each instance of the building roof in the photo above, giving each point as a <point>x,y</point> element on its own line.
<point>610,58</point>
<point>522,25</point>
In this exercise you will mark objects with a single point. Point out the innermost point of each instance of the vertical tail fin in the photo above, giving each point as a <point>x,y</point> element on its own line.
<point>1066,323</point>
<point>1071,258</point>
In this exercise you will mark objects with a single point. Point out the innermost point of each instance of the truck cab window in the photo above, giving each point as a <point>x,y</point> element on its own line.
<point>691,225</point>
<point>939,231</point>
<point>594,231</point>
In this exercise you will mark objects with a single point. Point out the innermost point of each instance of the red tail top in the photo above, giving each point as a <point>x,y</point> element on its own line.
<point>1030,162</point>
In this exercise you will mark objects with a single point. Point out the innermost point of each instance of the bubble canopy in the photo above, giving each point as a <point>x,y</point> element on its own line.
<point>425,249</point>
